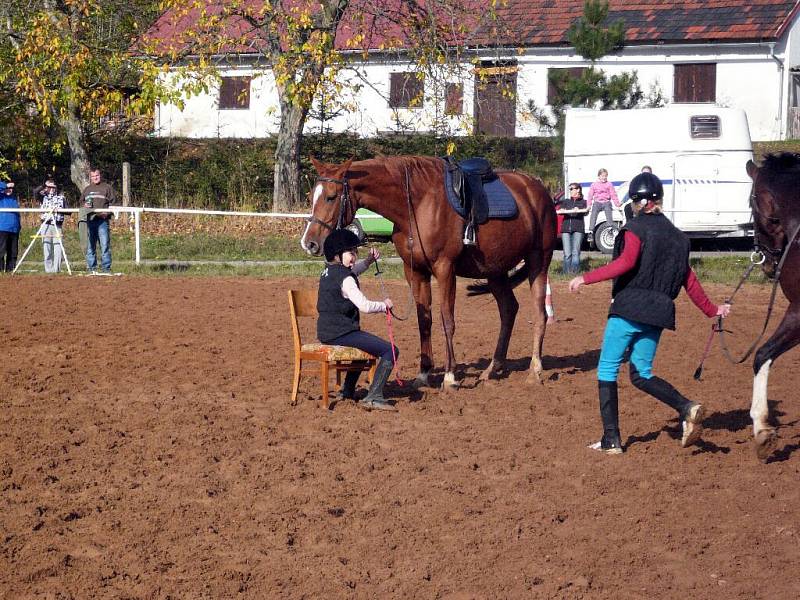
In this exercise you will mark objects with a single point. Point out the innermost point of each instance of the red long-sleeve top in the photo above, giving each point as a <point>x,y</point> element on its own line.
<point>627,261</point>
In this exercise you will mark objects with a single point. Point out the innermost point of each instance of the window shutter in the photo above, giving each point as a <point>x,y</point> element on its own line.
<point>234,93</point>
<point>405,88</point>
<point>552,88</point>
<point>454,99</point>
<point>695,82</point>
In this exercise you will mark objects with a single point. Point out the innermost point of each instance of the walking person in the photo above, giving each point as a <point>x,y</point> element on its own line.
<point>51,227</point>
<point>339,304</point>
<point>601,195</point>
<point>9,228</point>
<point>573,208</point>
<point>98,194</point>
<point>651,264</point>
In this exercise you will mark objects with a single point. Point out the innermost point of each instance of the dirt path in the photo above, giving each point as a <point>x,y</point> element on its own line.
<point>147,450</point>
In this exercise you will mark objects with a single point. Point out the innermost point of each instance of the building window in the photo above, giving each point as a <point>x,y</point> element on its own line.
<point>696,82</point>
<point>556,78</point>
<point>454,99</point>
<point>234,93</point>
<point>405,90</point>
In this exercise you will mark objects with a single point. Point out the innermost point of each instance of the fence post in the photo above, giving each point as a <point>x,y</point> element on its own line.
<point>136,214</point>
<point>126,184</point>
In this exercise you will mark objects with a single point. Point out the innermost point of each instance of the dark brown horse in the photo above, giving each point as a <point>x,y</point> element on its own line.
<point>776,219</point>
<point>410,192</point>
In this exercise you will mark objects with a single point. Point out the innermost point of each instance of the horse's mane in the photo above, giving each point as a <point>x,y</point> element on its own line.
<point>781,166</point>
<point>781,172</point>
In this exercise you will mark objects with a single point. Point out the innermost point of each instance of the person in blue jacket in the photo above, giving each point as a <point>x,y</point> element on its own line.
<point>9,228</point>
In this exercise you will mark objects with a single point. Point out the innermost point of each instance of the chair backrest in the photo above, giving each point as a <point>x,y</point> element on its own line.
<point>302,303</point>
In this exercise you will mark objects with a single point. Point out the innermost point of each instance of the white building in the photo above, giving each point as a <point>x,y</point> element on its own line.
<point>745,54</point>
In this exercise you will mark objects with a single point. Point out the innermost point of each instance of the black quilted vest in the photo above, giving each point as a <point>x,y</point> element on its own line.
<point>337,315</point>
<point>646,292</point>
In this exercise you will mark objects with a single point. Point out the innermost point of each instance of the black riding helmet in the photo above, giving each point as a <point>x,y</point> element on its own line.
<point>339,241</point>
<point>644,187</point>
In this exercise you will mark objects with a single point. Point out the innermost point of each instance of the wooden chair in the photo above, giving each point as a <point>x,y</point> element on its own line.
<point>303,303</point>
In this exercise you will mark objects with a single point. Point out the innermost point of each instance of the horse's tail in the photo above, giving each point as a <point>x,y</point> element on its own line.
<point>516,276</point>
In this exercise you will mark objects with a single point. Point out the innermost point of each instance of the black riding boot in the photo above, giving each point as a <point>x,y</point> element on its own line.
<point>374,398</point>
<point>691,413</point>
<point>348,389</point>
<point>661,390</point>
<point>609,413</point>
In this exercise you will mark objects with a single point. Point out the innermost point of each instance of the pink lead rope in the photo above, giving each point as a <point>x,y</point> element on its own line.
<point>391,341</point>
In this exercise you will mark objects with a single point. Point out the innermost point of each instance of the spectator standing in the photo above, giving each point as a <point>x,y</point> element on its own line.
<point>573,208</point>
<point>9,228</point>
<point>600,197</point>
<point>52,223</point>
<point>98,194</point>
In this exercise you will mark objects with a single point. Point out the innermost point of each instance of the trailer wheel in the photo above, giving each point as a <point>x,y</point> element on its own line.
<point>604,236</point>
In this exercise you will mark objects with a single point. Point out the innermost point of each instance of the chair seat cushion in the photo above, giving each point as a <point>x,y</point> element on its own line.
<point>337,352</point>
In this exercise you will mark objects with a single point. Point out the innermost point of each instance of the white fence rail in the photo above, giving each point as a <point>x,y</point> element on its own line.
<point>137,211</point>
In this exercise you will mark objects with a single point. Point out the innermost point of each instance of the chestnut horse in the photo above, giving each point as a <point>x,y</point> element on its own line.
<point>410,192</point>
<point>775,203</point>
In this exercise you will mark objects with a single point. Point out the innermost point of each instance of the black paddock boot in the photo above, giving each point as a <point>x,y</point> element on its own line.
<point>691,413</point>
<point>374,398</point>
<point>609,413</point>
<point>348,389</point>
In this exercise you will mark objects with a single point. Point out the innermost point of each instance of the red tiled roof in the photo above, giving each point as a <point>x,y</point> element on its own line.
<point>545,22</point>
<point>542,22</point>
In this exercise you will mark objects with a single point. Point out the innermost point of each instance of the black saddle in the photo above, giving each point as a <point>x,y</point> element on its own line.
<point>468,177</point>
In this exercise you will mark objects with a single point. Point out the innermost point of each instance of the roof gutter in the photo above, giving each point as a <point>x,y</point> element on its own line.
<point>782,71</point>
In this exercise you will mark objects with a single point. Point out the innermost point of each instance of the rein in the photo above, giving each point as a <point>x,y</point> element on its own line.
<point>379,273</point>
<point>753,264</point>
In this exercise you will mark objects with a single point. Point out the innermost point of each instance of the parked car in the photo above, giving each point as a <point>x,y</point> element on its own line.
<point>374,226</point>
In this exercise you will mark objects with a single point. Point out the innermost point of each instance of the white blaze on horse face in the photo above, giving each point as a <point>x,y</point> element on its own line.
<point>759,409</point>
<point>318,191</point>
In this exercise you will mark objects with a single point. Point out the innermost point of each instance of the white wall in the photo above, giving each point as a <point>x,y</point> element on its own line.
<point>748,77</point>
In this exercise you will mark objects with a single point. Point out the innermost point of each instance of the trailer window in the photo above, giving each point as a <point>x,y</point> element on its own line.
<point>705,126</point>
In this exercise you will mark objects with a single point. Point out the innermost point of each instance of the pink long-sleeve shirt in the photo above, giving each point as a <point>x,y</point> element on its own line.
<point>602,192</point>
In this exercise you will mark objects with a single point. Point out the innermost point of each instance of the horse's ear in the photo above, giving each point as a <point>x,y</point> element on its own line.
<point>752,169</point>
<point>318,165</point>
<point>345,167</point>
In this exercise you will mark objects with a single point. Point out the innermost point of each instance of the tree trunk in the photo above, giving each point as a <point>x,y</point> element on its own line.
<point>286,188</point>
<point>79,157</point>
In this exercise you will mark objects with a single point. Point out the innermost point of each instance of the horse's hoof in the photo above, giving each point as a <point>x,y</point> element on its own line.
<point>766,440</point>
<point>487,375</point>
<point>534,378</point>
<point>449,383</point>
<point>420,381</point>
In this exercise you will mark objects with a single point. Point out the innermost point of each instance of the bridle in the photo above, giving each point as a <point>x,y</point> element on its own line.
<point>347,212</point>
<point>346,206</point>
<point>761,250</point>
<point>757,258</point>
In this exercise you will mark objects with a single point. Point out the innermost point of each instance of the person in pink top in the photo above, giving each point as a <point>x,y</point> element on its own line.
<point>600,196</point>
<point>650,266</point>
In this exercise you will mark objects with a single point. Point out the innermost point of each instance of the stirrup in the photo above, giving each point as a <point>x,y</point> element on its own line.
<point>469,235</point>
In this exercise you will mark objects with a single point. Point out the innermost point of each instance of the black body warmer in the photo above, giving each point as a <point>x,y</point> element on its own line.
<point>646,293</point>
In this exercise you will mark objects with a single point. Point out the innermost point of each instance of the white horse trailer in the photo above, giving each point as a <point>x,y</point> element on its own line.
<point>699,152</point>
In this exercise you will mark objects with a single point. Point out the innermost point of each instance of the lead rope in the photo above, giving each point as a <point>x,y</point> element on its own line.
<point>394,353</point>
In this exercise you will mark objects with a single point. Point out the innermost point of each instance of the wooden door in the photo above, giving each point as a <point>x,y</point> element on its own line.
<point>495,100</point>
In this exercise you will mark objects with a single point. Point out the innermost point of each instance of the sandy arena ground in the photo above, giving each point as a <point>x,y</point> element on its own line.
<point>148,450</point>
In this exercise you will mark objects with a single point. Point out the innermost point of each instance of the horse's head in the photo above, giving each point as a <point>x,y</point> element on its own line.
<point>331,205</point>
<point>769,236</point>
